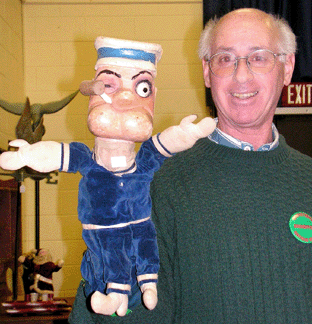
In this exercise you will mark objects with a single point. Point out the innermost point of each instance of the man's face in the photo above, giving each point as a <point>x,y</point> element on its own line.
<point>130,115</point>
<point>245,99</point>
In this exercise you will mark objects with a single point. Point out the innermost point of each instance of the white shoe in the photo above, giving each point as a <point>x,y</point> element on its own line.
<point>149,291</point>
<point>109,304</point>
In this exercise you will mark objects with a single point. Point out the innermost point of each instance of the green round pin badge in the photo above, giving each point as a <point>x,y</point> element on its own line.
<point>300,225</point>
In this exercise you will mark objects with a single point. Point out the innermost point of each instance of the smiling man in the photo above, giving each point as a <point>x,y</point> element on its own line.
<point>229,210</point>
<point>247,86</point>
<point>226,209</point>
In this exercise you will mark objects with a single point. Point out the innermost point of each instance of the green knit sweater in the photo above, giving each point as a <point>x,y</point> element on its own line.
<point>226,249</point>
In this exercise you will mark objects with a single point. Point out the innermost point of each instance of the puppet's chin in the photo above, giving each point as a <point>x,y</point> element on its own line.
<point>134,125</point>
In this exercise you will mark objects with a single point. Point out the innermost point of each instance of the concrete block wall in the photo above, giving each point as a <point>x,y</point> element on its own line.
<point>58,55</point>
<point>11,64</point>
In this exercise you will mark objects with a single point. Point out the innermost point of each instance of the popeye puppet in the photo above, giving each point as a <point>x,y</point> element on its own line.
<point>114,204</point>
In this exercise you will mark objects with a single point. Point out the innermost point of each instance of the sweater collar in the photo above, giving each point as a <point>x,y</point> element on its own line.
<point>222,138</point>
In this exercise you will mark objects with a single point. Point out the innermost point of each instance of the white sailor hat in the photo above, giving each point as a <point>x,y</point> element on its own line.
<point>120,52</point>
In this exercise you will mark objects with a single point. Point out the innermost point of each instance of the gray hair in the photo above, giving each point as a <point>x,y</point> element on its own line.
<point>287,39</point>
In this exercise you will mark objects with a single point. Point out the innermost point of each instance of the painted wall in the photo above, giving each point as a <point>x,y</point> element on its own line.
<point>58,55</point>
<point>11,64</point>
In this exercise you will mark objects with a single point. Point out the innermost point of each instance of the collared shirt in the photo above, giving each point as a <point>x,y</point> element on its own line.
<point>220,137</point>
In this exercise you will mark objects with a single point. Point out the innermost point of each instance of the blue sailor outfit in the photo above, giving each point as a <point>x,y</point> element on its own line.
<point>121,207</point>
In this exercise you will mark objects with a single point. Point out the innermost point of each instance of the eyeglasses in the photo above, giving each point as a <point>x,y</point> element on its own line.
<point>224,64</point>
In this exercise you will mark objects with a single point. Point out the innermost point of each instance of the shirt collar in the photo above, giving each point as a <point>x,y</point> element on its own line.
<point>220,137</point>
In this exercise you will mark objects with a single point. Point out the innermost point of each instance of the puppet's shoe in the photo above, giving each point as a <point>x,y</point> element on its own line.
<point>123,308</point>
<point>109,304</point>
<point>149,291</point>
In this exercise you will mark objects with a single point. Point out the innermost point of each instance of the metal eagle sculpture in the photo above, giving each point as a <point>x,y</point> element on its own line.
<point>30,125</point>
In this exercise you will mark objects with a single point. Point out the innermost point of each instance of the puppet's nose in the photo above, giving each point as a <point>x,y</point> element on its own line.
<point>124,99</point>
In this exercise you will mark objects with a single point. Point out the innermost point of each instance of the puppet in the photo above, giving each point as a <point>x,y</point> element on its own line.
<point>114,205</point>
<point>28,271</point>
<point>39,272</point>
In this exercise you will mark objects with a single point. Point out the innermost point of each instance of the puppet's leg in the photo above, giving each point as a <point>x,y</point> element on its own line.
<point>113,302</point>
<point>147,261</point>
<point>108,251</point>
<point>149,290</point>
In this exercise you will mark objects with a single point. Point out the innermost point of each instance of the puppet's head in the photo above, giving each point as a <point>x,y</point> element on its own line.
<point>42,256</point>
<point>122,107</point>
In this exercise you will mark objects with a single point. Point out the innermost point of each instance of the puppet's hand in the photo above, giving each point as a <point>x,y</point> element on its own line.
<point>184,136</point>
<point>60,263</point>
<point>21,259</point>
<point>41,156</point>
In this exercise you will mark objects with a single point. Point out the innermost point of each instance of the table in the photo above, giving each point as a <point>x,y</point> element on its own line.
<point>36,319</point>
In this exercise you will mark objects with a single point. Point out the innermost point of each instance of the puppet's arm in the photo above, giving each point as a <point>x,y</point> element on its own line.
<point>45,156</point>
<point>182,137</point>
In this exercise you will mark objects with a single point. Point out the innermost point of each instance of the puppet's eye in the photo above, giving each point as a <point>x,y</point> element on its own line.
<point>111,81</point>
<point>144,89</point>
<point>110,87</point>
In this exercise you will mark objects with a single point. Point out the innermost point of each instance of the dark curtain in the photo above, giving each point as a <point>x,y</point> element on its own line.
<point>298,14</point>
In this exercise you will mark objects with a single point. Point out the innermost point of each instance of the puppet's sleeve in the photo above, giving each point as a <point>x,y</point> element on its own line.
<point>149,157</point>
<point>28,263</point>
<point>75,157</point>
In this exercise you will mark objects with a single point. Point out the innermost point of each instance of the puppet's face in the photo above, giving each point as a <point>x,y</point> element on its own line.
<point>130,114</point>
<point>42,257</point>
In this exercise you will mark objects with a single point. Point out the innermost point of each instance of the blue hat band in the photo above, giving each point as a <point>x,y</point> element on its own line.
<point>128,53</point>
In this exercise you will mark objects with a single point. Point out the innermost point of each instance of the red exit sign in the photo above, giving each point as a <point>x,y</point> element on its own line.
<point>297,94</point>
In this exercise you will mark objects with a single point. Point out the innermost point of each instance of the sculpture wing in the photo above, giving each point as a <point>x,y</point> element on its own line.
<point>14,108</point>
<point>52,107</point>
<point>30,125</point>
<point>38,110</point>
